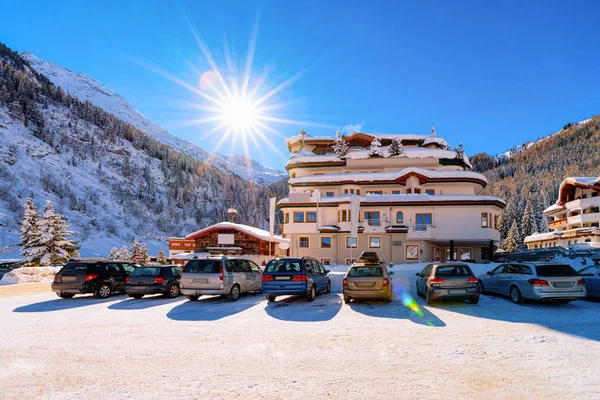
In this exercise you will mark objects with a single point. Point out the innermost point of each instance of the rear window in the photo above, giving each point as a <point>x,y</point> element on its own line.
<point>284,266</point>
<point>146,271</point>
<point>77,267</point>
<point>203,266</point>
<point>454,270</point>
<point>365,271</point>
<point>556,270</point>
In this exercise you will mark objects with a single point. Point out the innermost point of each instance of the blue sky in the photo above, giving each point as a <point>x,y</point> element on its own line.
<point>489,75</point>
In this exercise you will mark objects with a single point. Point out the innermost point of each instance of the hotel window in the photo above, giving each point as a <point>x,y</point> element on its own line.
<point>298,216</point>
<point>495,222</point>
<point>396,192</point>
<point>416,191</point>
<point>326,261</point>
<point>430,192</point>
<point>484,220</point>
<point>350,261</point>
<point>374,242</point>
<point>466,253</point>
<point>423,221</point>
<point>303,241</point>
<point>594,194</point>
<point>344,215</point>
<point>376,192</point>
<point>399,217</point>
<point>325,242</point>
<point>329,194</point>
<point>311,216</point>
<point>350,242</point>
<point>372,218</point>
<point>351,191</point>
<point>287,218</point>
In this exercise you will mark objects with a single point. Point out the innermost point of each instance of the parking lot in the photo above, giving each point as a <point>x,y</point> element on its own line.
<point>155,347</point>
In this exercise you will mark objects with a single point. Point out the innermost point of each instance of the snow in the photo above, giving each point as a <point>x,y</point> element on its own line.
<point>582,180</point>
<point>297,350</point>
<point>386,176</point>
<point>311,158</point>
<point>250,230</point>
<point>409,152</point>
<point>398,198</point>
<point>87,88</point>
<point>559,234</point>
<point>552,208</point>
<point>29,275</point>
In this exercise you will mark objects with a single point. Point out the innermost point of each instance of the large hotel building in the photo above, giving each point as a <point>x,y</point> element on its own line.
<point>417,200</point>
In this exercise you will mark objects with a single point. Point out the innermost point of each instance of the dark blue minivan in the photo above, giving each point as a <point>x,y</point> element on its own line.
<point>295,276</point>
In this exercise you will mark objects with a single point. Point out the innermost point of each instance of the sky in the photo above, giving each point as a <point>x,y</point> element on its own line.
<point>490,75</point>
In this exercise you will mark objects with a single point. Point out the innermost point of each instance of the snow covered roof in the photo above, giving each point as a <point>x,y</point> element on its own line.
<point>249,230</point>
<point>426,139</point>
<point>389,176</point>
<point>558,234</point>
<point>553,208</point>
<point>307,138</point>
<point>305,156</point>
<point>404,198</point>
<point>566,187</point>
<point>409,152</point>
<point>582,180</point>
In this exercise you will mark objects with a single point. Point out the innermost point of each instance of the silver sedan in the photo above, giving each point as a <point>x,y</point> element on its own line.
<point>534,281</point>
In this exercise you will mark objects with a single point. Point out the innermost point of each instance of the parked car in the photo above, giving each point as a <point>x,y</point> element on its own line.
<point>163,279</point>
<point>226,276</point>
<point>534,281</point>
<point>447,281</point>
<point>591,277</point>
<point>367,280</point>
<point>100,277</point>
<point>295,276</point>
<point>8,265</point>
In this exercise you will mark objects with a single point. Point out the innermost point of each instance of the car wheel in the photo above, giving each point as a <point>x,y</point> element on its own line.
<point>474,300</point>
<point>481,288</point>
<point>429,297</point>
<point>515,295</point>
<point>103,291</point>
<point>347,300</point>
<point>172,291</point>
<point>234,293</point>
<point>192,297</point>
<point>270,298</point>
<point>328,290</point>
<point>312,293</point>
<point>65,295</point>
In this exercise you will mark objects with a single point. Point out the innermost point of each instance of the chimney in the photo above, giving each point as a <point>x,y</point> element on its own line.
<point>232,213</point>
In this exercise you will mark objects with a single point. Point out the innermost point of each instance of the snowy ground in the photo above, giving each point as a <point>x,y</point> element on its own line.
<point>153,348</point>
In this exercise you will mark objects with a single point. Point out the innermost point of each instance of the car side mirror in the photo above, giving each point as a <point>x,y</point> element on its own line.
<point>327,271</point>
<point>391,272</point>
<point>418,274</point>
<point>490,273</point>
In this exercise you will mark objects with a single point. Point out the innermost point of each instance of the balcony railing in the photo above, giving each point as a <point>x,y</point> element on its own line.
<point>557,222</point>
<point>373,222</point>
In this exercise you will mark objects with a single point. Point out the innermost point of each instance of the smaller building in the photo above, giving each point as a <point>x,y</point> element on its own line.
<point>229,239</point>
<point>575,217</point>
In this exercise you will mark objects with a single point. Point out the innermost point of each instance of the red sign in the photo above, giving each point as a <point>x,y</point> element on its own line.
<point>138,257</point>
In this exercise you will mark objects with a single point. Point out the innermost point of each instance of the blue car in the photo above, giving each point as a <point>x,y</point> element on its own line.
<point>295,276</point>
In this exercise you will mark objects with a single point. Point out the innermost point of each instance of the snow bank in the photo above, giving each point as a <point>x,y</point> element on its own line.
<point>29,275</point>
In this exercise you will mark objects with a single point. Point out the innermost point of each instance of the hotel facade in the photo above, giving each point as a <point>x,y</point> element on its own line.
<point>416,204</point>
<point>575,217</point>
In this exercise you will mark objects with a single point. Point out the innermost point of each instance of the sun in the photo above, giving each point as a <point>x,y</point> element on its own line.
<point>240,113</point>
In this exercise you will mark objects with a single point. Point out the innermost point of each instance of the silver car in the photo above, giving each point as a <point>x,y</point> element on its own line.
<point>450,281</point>
<point>366,280</point>
<point>226,276</point>
<point>534,281</point>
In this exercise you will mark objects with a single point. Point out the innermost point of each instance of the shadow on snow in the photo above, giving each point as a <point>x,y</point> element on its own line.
<point>212,308</point>
<point>143,303</point>
<point>64,304</point>
<point>296,308</point>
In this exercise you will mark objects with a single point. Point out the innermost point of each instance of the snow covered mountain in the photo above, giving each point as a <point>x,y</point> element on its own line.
<point>87,88</point>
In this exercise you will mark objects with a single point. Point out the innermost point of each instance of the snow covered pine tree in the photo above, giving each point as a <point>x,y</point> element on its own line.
<point>161,257</point>
<point>144,253</point>
<point>396,148</point>
<point>54,247</point>
<point>123,254</point>
<point>375,150</point>
<point>513,239</point>
<point>340,148</point>
<point>30,234</point>
<point>114,254</point>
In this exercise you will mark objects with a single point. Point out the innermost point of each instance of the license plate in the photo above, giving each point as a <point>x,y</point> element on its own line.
<point>200,280</point>
<point>68,279</point>
<point>140,288</point>
<point>457,291</point>
<point>563,284</point>
<point>282,278</point>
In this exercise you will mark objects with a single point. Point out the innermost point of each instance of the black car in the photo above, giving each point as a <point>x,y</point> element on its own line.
<point>163,279</point>
<point>102,278</point>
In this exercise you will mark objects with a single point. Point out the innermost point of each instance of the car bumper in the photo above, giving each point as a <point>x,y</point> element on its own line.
<point>70,288</point>
<point>549,296</point>
<point>129,289</point>
<point>454,294</point>
<point>204,292</point>
<point>368,294</point>
<point>279,291</point>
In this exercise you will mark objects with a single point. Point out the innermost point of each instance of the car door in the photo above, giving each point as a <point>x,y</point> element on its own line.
<point>490,283</point>
<point>118,275</point>
<point>310,271</point>
<point>595,284</point>
<point>590,277</point>
<point>422,279</point>
<point>256,276</point>
<point>506,278</point>
<point>241,274</point>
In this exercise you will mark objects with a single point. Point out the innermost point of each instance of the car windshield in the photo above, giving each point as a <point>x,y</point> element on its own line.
<point>555,270</point>
<point>453,270</point>
<point>365,271</point>
<point>203,267</point>
<point>76,267</point>
<point>146,271</point>
<point>284,266</point>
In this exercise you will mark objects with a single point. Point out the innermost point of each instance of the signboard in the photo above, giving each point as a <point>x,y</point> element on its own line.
<point>284,246</point>
<point>138,257</point>
<point>226,238</point>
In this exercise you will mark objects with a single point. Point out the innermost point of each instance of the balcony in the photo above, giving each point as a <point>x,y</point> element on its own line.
<point>420,232</point>
<point>557,223</point>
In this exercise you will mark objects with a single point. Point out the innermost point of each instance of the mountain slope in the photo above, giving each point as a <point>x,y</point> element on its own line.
<point>111,180</point>
<point>87,88</point>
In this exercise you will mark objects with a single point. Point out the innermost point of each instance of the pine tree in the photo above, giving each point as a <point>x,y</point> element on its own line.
<point>123,254</point>
<point>144,253</point>
<point>161,257</point>
<point>340,147</point>
<point>114,254</point>
<point>513,239</point>
<point>396,148</point>
<point>134,249</point>
<point>460,151</point>
<point>30,234</point>
<point>375,150</point>
<point>54,246</point>
<point>528,223</point>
